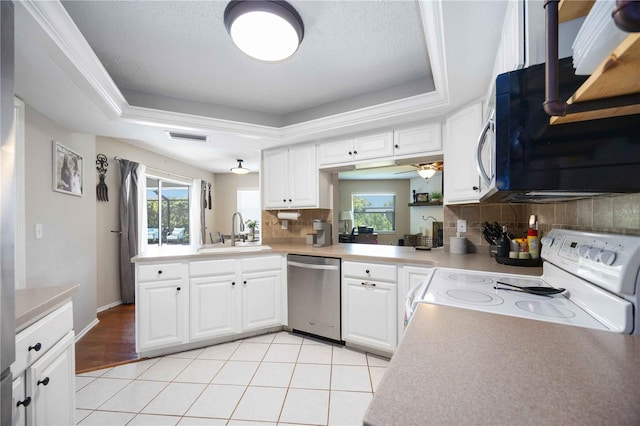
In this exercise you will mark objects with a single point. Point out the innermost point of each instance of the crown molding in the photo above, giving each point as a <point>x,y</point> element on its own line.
<point>87,71</point>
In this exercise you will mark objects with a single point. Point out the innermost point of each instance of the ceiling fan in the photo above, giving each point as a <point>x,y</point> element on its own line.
<point>426,170</point>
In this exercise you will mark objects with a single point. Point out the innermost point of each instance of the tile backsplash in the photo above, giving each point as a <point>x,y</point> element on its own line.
<point>619,214</point>
<point>271,226</point>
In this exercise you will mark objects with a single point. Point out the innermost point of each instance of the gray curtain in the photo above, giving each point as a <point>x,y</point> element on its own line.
<point>129,228</point>
<point>203,205</point>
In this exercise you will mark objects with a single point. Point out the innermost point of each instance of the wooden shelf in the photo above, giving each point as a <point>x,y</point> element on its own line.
<point>616,76</point>
<point>426,204</point>
<point>572,9</point>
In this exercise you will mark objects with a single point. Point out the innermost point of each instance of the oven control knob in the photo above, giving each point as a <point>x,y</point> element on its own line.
<point>547,241</point>
<point>593,253</point>
<point>583,251</point>
<point>607,257</point>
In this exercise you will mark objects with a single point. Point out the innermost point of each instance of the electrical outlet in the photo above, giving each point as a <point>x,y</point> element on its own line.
<point>285,224</point>
<point>39,231</point>
<point>462,225</point>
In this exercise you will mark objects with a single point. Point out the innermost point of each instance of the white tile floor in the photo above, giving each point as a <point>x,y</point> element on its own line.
<point>278,378</point>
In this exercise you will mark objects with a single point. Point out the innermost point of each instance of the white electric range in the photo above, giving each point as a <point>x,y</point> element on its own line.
<point>599,272</point>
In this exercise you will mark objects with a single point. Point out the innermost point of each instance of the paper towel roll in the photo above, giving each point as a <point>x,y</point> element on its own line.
<point>289,215</point>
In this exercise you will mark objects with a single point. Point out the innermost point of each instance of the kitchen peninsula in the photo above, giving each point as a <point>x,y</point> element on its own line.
<point>458,366</point>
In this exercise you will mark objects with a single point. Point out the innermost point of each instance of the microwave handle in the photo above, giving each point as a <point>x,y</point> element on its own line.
<point>489,126</point>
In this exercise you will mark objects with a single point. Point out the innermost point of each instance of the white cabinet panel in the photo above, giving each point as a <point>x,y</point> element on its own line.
<point>213,307</point>
<point>290,178</point>
<point>261,300</point>
<point>335,152</point>
<point>462,183</point>
<point>369,313</point>
<point>19,402</point>
<point>51,382</point>
<point>379,145</point>
<point>417,140</point>
<point>161,312</point>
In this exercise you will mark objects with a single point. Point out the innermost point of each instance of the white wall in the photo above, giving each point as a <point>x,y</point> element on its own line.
<point>419,216</point>
<point>225,200</point>
<point>67,252</point>
<point>108,280</point>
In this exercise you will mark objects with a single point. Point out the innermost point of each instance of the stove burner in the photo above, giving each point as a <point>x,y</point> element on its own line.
<point>469,278</point>
<point>545,309</point>
<point>474,297</point>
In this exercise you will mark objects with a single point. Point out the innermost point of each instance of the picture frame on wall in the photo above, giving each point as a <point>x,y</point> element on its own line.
<point>68,175</point>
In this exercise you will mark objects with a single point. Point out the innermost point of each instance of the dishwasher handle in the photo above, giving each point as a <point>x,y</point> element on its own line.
<point>312,266</point>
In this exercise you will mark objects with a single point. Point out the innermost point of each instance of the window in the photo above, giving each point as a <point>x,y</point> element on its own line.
<point>167,212</point>
<point>248,204</point>
<point>374,210</point>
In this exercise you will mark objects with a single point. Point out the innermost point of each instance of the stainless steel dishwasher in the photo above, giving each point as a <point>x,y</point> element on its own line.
<point>313,285</point>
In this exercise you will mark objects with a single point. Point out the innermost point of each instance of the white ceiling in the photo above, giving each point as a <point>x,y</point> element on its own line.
<point>133,69</point>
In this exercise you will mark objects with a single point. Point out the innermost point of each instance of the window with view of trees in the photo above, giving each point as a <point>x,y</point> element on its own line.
<point>167,212</point>
<point>375,210</point>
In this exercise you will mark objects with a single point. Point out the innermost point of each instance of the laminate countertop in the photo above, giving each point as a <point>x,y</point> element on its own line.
<point>34,303</point>
<point>356,252</point>
<point>458,366</point>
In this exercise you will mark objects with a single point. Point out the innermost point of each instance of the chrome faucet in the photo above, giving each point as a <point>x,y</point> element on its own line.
<point>233,227</point>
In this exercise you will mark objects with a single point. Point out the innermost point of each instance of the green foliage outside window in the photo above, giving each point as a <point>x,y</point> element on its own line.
<point>374,210</point>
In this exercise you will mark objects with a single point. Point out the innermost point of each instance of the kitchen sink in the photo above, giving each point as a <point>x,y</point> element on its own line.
<point>239,247</point>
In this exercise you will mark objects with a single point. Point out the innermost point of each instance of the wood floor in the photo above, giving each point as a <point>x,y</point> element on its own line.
<point>111,342</point>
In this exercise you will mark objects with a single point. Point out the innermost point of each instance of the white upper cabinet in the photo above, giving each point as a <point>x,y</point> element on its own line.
<point>462,183</point>
<point>510,55</point>
<point>368,147</point>
<point>417,140</point>
<point>290,179</point>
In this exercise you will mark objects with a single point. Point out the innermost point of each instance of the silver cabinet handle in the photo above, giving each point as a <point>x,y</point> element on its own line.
<point>489,126</point>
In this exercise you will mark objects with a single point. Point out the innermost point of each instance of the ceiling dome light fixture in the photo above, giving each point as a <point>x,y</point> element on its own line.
<point>267,30</point>
<point>239,170</point>
<point>426,173</point>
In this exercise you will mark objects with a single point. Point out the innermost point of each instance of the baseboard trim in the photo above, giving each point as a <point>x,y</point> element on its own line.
<point>87,329</point>
<point>109,306</point>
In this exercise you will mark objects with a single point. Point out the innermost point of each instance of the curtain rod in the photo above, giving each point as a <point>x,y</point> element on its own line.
<point>164,172</point>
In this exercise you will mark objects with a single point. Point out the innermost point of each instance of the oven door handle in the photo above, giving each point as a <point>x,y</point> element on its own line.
<point>408,304</point>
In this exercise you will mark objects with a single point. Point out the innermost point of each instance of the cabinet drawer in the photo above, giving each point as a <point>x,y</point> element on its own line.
<point>161,271</point>
<point>369,271</point>
<point>212,267</point>
<point>263,263</point>
<point>41,337</point>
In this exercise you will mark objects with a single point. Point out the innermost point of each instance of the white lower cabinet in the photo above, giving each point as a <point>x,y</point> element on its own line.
<point>44,371</point>
<point>369,305</point>
<point>410,277</point>
<point>213,307</point>
<point>162,311</point>
<point>207,299</point>
<point>261,298</point>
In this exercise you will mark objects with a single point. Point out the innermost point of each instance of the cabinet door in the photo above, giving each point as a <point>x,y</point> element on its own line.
<point>461,180</point>
<point>410,277</point>
<point>303,176</point>
<point>369,313</point>
<point>261,300</point>
<point>417,140</point>
<point>19,402</point>
<point>369,147</point>
<point>161,311</point>
<point>512,42</point>
<point>276,178</point>
<point>51,385</point>
<point>335,152</point>
<point>213,307</point>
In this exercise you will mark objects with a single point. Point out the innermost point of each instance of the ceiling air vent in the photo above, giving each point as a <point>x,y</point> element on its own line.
<point>187,137</point>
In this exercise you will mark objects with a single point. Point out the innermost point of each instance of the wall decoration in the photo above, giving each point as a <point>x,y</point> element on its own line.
<point>102,192</point>
<point>67,170</point>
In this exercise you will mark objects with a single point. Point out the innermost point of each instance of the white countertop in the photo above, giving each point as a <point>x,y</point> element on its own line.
<point>34,303</point>
<point>459,366</point>
<point>357,252</point>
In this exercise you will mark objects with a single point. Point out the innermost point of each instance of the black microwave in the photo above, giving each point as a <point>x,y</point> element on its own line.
<point>538,161</point>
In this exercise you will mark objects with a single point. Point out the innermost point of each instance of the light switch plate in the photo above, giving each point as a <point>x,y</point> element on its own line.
<point>462,225</point>
<point>285,224</point>
<point>39,231</point>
